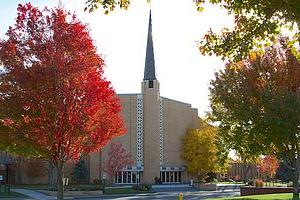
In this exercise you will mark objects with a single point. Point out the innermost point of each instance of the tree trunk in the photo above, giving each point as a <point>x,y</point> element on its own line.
<point>296,183</point>
<point>60,177</point>
<point>51,175</point>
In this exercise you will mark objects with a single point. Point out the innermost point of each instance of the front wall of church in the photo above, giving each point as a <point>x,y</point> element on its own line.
<point>128,140</point>
<point>176,118</point>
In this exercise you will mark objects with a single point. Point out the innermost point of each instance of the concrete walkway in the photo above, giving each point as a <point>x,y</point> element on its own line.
<point>33,194</point>
<point>173,188</point>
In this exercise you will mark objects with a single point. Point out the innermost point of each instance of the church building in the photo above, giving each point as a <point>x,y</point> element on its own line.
<point>155,128</point>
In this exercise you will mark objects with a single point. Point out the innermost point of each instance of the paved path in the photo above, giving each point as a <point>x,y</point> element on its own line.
<point>166,196</point>
<point>33,194</point>
<point>173,188</point>
<point>171,195</point>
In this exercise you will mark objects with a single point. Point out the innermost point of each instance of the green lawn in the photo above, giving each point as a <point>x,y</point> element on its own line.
<point>260,197</point>
<point>84,187</point>
<point>11,195</point>
<point>238,182</point>
<point>122,191</point>
<point>32,186</point>
<point>73,187</point>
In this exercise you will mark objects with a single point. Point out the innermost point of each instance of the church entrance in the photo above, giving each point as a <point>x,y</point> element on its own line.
<point>127,177</point>
<point>171,176</point>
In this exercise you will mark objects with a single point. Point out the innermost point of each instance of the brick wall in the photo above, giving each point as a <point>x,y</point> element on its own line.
<point>245,191</point>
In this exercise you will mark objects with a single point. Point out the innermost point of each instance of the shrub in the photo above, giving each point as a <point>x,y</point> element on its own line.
<point>142,187</point>
<point>97,181</point>
<point>258,183</point>
<point>251,183</point>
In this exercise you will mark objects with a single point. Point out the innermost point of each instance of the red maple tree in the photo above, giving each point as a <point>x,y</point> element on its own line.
<point>54,101</point>
<point>118,158</point>
<point>268,165</point>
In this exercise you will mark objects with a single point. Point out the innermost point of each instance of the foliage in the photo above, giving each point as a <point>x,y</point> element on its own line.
<point>211,177</point>
<point>257,23</point>
<point>268,165</point>
<point>118,158</point>
<point>107,5</point>
<point>54,101</point>
<point>142,187</point>
<point>284,173</point>
<point>199,150</point>
<point>258,183</point>
<point>257,104</point>
<point>80,172</point>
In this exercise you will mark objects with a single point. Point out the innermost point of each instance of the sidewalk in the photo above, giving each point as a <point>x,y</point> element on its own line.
<point>34,194</point>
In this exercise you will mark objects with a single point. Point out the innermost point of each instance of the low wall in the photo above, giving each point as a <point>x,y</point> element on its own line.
<point>251,190</point>
<point>205,187</point>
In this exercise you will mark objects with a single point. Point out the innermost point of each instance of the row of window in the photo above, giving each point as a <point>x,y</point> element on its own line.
<point>127,177</point>
<point>170,176</point>
<point>130,177</point>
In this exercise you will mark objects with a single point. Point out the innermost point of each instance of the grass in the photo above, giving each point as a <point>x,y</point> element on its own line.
<point>32,186</point>
<point>84,187</point>
<point>238,182</point>
<point>122,191</point>
<point>12,195</point>
<point>72,187</point>
<point>260,197</point>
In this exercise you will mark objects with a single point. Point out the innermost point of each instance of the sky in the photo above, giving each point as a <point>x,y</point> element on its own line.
<point>120,37</point>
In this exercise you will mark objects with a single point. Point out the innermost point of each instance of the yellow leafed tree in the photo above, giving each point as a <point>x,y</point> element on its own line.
<point>199,150</point>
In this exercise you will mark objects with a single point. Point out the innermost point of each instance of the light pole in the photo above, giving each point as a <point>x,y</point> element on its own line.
<point>138,175</point>
<point>104,179</point>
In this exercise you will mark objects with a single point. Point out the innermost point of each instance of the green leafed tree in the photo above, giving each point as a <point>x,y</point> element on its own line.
<point>200,151</point>
<point>256,24</point>
<point>257,104</point>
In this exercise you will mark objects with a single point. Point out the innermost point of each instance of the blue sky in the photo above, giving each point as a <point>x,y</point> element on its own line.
<point>120,38</point>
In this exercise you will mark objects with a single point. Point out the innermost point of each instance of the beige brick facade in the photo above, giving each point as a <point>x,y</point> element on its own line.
<point>164,123</point>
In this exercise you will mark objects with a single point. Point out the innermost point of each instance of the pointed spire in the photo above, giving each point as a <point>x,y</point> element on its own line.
<point>60,4</point>
<point>149,73</point>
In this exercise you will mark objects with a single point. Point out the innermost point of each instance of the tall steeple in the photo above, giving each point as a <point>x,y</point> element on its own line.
<point>151,114</point>
<point>149,73</point>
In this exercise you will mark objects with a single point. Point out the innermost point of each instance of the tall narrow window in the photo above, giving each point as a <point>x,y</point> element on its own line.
<point>150,84</point>
<point>119,177</point>
<point>133,177</point>
<point>163,177</point>
<point>179,176</point>
<point>171,177</point>
<point>128,177</point>
<point>168,177</point>
<point>124,177</point>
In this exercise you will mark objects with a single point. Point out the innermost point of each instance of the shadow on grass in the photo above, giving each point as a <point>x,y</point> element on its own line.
<point>11,195</point>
